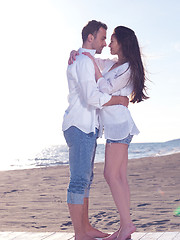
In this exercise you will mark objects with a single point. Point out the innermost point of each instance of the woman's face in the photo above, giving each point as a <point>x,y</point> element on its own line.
<point>115,47</point>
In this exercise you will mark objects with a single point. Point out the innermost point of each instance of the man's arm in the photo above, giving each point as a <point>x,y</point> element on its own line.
<point>118,100</point>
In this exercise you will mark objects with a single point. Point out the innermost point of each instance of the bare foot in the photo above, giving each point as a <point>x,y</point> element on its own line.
<point>112,236</point>
<point>83,237</point>
<point>126,231</point>
<point>93,232</point>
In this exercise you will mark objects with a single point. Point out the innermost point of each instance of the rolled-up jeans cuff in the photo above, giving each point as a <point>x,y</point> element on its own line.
<point>86,193</point>
<point>75,198</point>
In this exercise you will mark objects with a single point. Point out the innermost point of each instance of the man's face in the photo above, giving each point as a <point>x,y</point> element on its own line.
<point>99,41</point>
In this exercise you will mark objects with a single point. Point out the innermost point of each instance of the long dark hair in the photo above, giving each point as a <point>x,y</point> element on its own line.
<point>131,51</point>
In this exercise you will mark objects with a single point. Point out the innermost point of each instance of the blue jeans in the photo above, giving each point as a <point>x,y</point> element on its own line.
<point>82,148</point>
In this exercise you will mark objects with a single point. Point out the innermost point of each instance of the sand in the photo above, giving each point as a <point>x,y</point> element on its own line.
<point>35,199</point>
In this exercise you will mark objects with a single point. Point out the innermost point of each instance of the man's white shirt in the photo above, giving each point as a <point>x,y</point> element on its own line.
<point>84,96</point>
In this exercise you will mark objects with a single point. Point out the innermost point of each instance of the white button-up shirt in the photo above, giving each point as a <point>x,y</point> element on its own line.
<point>84,96</point>
<point>116,120</point>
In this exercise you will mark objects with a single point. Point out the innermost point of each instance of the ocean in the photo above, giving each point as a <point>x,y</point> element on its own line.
<point>58,154</point>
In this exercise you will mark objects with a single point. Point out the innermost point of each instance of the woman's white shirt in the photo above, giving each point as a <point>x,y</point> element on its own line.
<point>116,120</point>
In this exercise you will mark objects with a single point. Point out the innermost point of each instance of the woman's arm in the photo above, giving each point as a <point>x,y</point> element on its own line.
<point>106,85</point>
<point>114,100</point>
<point>72,56</point>
<point>97,71</point>
<point>115,83</point>
<point>102,63</point>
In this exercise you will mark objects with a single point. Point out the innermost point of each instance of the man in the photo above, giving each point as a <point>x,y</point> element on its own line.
<point>81,125</point>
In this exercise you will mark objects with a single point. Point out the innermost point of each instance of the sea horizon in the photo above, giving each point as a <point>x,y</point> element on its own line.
<point>57,155</point>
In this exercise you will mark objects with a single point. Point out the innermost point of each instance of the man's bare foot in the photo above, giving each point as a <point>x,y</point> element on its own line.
<point>93,232</point>
<point>126,232</point>
<point>83,237</point>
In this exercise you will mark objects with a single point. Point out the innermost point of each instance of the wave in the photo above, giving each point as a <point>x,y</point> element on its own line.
<point>58,154</point>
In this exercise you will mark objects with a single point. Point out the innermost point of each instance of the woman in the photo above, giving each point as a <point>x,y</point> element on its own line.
<point>125,77</point>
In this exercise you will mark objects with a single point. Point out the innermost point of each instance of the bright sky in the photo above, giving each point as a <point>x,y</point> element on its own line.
<point>36,37</point>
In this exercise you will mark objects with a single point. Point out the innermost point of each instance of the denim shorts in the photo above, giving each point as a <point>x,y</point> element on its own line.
<point>82,149</point>
<point>126,140</point>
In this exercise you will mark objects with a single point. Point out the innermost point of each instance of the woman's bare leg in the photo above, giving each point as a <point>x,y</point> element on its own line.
<point>115,172</point>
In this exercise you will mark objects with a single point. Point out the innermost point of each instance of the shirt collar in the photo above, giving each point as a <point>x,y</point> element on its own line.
<point>91,51</point>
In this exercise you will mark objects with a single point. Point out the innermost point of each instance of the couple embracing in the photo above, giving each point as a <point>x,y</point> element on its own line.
<point>99,92</point>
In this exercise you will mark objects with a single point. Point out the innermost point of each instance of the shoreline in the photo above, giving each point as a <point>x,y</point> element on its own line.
<point>67,164</point>
<point>35,199</point>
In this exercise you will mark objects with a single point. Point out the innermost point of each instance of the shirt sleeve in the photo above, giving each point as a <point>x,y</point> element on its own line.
<point>88,86</point>
<point>102,63</point>
<point>115,82</point>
